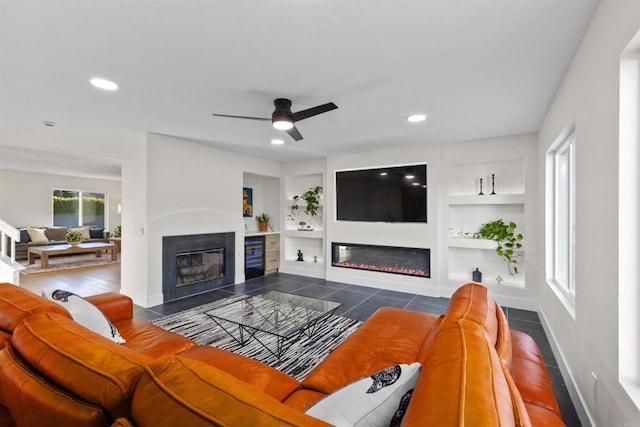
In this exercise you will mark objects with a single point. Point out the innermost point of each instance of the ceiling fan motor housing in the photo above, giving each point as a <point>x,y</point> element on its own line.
<point>282,110</point>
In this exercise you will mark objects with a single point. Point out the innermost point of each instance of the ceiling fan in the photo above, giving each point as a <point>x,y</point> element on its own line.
<point>282,117</point>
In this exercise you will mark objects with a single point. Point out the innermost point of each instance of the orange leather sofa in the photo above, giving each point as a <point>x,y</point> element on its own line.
<point>54,372</point>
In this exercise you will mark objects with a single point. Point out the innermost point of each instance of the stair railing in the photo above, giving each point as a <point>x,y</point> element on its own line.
<point>9,235</point>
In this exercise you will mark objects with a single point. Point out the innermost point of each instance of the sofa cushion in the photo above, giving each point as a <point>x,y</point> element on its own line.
<point>96,233</point>
<point>376,400</point>
<point>462,382</point>
<point>85,313</point>
<point>17,303</point>
<point>84,231</point>
<point>194,393</point>
<point>34,401</point>
<point>302,398</point>
<point>56,234</point>
<point>472,302</point>
<point>24,236</point>
<point>262,377</point>
<point>389,337</point>
<point>148,339</point>
<point>530,373</point>
<point>36,235</point>
<point>73,357</point>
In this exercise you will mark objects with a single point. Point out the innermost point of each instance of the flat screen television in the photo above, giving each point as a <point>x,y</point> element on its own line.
<point>389,194</point>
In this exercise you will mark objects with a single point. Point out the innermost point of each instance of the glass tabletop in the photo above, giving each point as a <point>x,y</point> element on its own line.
<point>274,312</point>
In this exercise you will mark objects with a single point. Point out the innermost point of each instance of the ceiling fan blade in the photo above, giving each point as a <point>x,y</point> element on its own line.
<point>314,111</point>
<point>264,119</point>
<point>295,133</point>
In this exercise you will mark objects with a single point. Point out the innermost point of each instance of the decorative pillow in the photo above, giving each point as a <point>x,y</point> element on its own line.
<point>37,235</point>
<point>84,231</point>
<point>85,313</point>
<point>96,233</point>
<point>378,400</point>
<point>24,236</point>
<point>55,234</point>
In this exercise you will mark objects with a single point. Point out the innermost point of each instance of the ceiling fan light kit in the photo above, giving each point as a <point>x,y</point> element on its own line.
<point>284,119</point>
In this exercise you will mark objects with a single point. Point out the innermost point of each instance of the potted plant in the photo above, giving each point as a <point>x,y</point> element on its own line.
<point>73,237</point>
<point>117,232</point>
<point>312,199</point>
<point>507,239</point>
<point>263,221</point>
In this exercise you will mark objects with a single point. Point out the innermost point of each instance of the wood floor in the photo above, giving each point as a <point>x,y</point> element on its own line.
<point>81,281</point>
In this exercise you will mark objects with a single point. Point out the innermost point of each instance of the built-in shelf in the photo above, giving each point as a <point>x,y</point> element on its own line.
<point>314,234</point>
<point>516,281</point>
<point>311,243</point>
<point>467,211</point>
<point>499,199</point>
<point>455,242</point>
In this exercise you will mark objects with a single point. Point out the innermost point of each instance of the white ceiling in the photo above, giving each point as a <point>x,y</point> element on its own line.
<point>477,68</point>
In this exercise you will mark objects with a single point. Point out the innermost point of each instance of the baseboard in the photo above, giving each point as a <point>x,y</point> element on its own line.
<point>143,300</point>
<point>577,398</point>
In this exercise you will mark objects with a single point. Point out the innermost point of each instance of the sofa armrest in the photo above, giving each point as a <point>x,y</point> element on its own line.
<point>115,306</point>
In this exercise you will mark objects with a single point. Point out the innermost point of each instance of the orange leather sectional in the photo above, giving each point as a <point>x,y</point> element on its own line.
<point>55,372</point>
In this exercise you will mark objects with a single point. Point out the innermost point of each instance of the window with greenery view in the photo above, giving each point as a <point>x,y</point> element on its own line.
<point>73,208</point>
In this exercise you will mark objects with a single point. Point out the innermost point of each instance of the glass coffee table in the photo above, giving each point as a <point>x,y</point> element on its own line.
<point>278,314</point>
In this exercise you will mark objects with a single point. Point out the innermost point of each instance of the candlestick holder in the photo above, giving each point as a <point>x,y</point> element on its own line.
<point>480,193</point>
<point>493,184</point>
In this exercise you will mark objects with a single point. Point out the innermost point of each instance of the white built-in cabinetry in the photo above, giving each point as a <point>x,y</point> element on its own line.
<point>467,211</point>
<point>310,242</point>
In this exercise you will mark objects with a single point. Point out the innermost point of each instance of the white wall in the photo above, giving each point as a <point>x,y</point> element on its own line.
<point>178,188</point>
<point>464,161</point>
<point>25,197</point>
<point>386,234</point>
<point>589,98</point>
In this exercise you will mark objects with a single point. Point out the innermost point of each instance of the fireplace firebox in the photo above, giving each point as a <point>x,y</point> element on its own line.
<point>387,259</point>
<point>199,266</point>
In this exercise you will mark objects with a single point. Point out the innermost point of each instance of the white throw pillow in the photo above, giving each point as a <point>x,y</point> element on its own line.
<point>85,313</point>
<point>84,230</point>
<point>377,400</point>
<point>37,235</point>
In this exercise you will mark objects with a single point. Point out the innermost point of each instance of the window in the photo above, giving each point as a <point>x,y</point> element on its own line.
<point>76,208</point>
<point>564,215</point>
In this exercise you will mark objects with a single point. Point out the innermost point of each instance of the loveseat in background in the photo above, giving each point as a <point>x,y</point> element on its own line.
<point>53,371</point>
<point>56,237</point>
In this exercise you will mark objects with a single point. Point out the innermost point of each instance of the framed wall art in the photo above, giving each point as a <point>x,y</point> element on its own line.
<point>247,202</point>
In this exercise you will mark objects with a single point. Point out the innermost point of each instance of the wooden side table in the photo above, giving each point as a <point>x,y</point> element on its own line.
<point>116,241</point>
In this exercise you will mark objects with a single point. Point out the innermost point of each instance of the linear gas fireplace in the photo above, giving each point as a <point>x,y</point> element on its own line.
<point>196,263</point>
<point>387,259</point>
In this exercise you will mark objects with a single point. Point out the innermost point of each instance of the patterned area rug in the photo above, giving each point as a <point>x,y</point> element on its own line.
<point>297,361</point>
<point>67,262</point>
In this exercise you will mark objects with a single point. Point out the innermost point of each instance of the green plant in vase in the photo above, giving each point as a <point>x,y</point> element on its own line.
<point>263,221</point>
<point>507,239</point>
<point>312,199</point>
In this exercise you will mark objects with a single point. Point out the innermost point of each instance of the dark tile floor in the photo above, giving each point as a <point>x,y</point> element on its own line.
<point>359,302</point>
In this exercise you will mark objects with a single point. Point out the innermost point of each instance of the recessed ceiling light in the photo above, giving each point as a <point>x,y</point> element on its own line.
<point>277,141</point>
<point>415,183</point>
<point>104,84</point>
<point>383,174</point>
<point>409,176</point>
<point>415,118</point>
